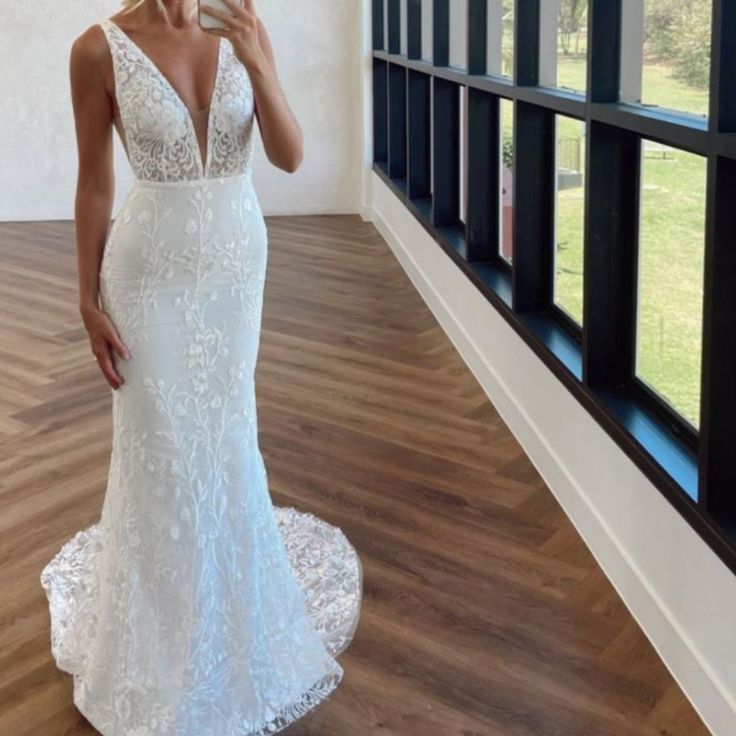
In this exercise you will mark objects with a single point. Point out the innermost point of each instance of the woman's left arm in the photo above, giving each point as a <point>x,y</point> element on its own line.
<point>281,133</point>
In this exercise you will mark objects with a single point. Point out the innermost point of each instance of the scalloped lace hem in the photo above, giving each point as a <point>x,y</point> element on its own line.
<point>287,716</point>
<point>328,572</point>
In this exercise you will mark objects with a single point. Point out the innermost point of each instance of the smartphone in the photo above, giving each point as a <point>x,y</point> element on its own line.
<point>209,21</point>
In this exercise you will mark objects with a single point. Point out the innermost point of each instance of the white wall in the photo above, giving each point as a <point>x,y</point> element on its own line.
<point>316,46</point>
<point>681,594</point>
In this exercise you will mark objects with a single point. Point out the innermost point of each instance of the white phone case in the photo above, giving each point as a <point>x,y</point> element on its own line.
<point>209,21</point>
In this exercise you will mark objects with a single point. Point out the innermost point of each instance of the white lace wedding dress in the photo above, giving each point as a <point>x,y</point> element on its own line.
<point>194,606</point>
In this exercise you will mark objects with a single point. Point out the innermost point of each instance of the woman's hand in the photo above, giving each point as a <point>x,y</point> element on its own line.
<point>242,30</point>
<point>281,133</point>
<point>104,339</point>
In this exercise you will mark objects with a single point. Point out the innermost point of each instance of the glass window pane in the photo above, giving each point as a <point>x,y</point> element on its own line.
<point>404,41</point>
<point>459,33</point>
<point>670,296</point>
<point>572,44</point>
<point>506,237</point>
<point>507,44</point>
<point>569,215</point>
<point>462,149</point>
<point>385,25</point>
<point>500,38</point>
<point>431,133</point>
<point>427,30</point>
<point>666,54</point>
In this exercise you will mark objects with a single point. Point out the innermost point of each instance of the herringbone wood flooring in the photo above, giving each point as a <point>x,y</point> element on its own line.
<point>484,613</point>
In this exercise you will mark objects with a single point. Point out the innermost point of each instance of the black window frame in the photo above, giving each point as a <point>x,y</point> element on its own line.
<point>596,361</point>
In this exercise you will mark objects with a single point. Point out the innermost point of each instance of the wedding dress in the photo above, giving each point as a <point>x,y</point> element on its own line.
<point>194,606</point>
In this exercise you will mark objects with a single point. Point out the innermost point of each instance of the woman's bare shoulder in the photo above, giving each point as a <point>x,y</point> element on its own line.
<point>90,54</point>
<point>90,45</point>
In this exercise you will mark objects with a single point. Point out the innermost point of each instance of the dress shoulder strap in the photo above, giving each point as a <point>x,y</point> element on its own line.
<point>106,29</point>
<point>113,41</point>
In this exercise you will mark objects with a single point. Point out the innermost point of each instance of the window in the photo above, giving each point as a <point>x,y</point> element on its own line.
<point>569,216</point>
<point>563,44</point>
<point>666,54</point>
<point>459,33</point>
<point>463,151</point>
<point>670,294</point>
<point>404,39</point>
<point>506,177</point>
<point>426,31</point>
<point>500,38</point>
<point>507,39</point>
<point>602,232</point>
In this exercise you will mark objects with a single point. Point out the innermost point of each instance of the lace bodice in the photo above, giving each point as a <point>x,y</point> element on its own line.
<point>158,130</point>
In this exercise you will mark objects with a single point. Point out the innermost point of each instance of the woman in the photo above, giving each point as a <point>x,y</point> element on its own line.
<point>194,607</point>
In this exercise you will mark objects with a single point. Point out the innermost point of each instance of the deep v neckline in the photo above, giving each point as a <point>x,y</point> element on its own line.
<point>203,165</point>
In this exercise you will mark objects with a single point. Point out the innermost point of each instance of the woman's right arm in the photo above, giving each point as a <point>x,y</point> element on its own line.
<point>89,61</point>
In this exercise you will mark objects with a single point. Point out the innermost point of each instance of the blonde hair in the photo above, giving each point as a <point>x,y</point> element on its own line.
<point>130,5</point>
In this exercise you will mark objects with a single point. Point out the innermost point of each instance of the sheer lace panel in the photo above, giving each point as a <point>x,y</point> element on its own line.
<point>163,142</point>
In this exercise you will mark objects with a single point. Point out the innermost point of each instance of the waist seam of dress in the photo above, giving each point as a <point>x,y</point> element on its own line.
<point>190,183</point>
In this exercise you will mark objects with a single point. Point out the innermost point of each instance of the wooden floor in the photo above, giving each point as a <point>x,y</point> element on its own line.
<point>483,615</point>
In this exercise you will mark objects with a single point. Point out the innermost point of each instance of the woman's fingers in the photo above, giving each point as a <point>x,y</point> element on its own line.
<point>237,13</point>
<point>114,339</point>
<point>110,334</point>
<point>103,353</point>
<point>240,10</point>
<point>104,339</point>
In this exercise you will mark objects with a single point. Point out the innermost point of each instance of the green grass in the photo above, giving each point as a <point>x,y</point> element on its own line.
<point>569,233</point>
<point>571,72</point>
<point>659,87</point>
<point>671,249</point>
<point>671,245</point>
<point>671,279</point>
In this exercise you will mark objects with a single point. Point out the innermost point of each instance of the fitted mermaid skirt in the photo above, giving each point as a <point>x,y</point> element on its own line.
<point>194,606</point>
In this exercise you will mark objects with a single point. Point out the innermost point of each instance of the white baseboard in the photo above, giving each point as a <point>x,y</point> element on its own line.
<point>689,668</point>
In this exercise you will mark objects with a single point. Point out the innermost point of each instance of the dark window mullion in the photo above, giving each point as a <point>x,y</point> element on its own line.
<point>534,177</point>
<point>394,26</point>
<point>526,55</point>
<point>446,153</point>
<point>483,185</point>
<point>441,32</point>
<point>604,69</point>
<point>380,111</point>
<point>612,212</point>
<point>477,36</point>
<point>718,389</point>
<point>419,161</point>
<point>414,29</point>
<point>377,25</point>
<point>396,121</point>
<point>723,68</point>
<point>610,258</point>
<point>717,469</point>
